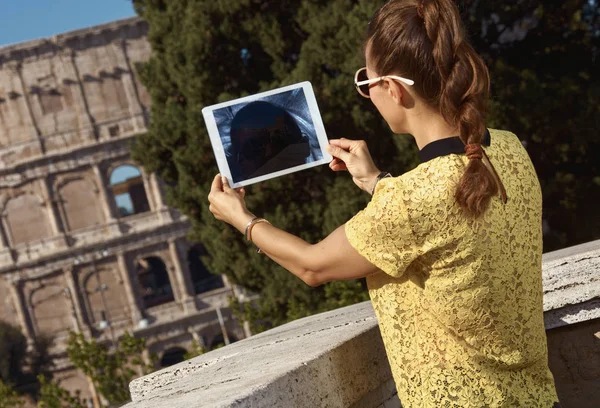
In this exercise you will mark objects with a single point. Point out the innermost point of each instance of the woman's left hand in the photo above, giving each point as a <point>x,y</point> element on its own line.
<point>227,204</point>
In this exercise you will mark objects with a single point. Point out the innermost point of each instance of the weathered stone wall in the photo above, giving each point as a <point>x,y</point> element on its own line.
<point>71,90</point>
<point>85,235</point>
<point>337,359</point>
<point>574,353</point>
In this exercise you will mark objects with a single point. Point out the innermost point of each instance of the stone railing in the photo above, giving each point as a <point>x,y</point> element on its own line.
<point>337,359</point>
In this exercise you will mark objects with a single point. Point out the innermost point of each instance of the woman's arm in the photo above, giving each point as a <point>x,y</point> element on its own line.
<point>331,259</point>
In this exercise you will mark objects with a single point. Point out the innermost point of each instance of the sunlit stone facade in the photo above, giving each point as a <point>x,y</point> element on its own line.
<point>86,240</point>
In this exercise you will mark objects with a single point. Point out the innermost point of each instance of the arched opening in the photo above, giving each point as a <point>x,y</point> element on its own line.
<point>81,204</point>
<point>50,306</point>
<point>128,190</point>
<point>173,356</point>
<point>202,279</point>
<point>154,282</point>
<point>26,219</point>
<point>104,297</point>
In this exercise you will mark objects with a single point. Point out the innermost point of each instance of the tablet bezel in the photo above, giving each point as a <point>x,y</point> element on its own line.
<point>217,144</point>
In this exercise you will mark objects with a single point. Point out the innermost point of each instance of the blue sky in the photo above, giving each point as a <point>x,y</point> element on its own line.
<point>23,20</point>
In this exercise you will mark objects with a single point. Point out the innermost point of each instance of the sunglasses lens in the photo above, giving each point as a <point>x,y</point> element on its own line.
<point>362,76</point>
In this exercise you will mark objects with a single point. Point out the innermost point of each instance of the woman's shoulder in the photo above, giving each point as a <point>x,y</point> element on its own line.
<point>504,139</point>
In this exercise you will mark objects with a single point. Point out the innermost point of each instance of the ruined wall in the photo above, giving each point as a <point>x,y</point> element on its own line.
<point>71,90</point>
<point>574,356</point>
<point>87,242</point>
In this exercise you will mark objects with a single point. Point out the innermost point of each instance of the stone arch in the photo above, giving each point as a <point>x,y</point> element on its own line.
<point>104,295</point>
<point>153,280</point>
<point>202,279</point>
<point>80,202</point>
<point>50,309</point>
<point>172,356</point>
<point>23,211</point>
<point>128,190</point>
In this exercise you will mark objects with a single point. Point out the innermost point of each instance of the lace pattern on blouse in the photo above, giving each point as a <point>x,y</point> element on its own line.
<point>459,300</point>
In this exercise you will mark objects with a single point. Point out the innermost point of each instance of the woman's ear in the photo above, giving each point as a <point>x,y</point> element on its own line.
<point>395,91</point>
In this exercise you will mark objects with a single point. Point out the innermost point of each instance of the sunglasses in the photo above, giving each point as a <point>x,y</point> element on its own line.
<point>362,81</point>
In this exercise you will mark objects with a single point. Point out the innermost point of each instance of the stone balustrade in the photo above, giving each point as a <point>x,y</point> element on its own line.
<point>336,359</point>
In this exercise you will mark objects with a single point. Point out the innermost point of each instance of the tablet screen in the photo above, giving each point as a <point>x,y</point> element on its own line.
<point>267,135</point>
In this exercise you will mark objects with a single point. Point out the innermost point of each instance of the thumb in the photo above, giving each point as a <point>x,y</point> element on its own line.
<point>339,153</point>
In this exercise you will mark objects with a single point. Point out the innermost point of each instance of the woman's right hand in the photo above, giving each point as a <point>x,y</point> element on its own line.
<point>353,156</point>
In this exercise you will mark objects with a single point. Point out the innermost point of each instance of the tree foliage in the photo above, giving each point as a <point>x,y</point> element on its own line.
<point>9,397</point>
<point>110,370</point>
<point>544,69</point>
<point>195,351</point>
<point>52,395</point>
<point>13,350</point>
<point>20,367</point>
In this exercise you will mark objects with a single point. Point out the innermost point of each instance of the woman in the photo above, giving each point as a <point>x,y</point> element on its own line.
<point>452,249</point>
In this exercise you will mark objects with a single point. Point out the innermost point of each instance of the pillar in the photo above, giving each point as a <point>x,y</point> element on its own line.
<point>73,80</point>
<point>3,237</point>
<point>130,86</point>
<point>184,281</point>
<point>6,256</point>
<point>155,184</point>
<point>16,68</point>
<point>104,196</point>
<point>16,293</point>
<point>55,220</point>
<point>132,298</point>
<point>75,300</point>
<point>149,191</point>
<point>161,207</point>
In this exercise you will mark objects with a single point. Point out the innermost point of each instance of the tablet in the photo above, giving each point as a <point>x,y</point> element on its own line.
<point>267,135</point>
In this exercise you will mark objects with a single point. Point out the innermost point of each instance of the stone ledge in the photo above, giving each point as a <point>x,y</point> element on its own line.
<point>297,364</point>
<point>336,359</point>
<point>572,285</point>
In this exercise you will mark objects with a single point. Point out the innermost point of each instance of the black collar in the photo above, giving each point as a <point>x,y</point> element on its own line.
<point>450,145</point>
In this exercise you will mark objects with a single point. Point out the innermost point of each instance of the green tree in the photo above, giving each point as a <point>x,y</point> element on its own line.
<point>197,60</point>
<point>110,370</point>
<point>287,41</point>
<point>21,367</point>
<point>13,351</point>
<point>196,350</point>
<point>52,395</point>
<point>9,397</point>
<point>543,58</point>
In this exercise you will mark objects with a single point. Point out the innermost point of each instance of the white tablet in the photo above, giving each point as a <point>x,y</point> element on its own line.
<point>267,135</point>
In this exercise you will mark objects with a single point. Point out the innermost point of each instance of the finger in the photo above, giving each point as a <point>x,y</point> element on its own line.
<point>339,153</point>
<point>241,191</point>
<point>338,165</point>
<point>217,184</point>
<point>345,144</point>
<point>225,184</point>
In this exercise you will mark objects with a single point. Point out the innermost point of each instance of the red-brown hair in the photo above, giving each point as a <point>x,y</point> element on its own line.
<point>425,40</point>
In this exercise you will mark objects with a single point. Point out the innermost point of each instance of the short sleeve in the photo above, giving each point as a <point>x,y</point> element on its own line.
<point>382,232</point>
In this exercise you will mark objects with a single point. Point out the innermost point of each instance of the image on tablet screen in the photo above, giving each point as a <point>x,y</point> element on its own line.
<point>267,135</point>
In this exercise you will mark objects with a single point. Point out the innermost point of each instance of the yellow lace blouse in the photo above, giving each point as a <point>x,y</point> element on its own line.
<point>458,300</point>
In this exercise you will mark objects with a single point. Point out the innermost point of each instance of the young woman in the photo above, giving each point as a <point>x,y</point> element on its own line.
<point>452,249</point>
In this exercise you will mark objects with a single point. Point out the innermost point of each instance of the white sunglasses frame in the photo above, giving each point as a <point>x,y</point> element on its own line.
<point>358,84</point>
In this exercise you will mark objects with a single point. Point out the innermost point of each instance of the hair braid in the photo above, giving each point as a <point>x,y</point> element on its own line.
<point>407,35</point>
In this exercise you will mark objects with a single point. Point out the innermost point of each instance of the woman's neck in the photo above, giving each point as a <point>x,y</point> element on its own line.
<point>428,127</point>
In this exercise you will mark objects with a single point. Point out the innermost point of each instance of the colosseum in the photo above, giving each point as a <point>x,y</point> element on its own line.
<point>87,242</point>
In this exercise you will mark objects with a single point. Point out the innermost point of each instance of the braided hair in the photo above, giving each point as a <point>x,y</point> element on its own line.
<point>425,40</point>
